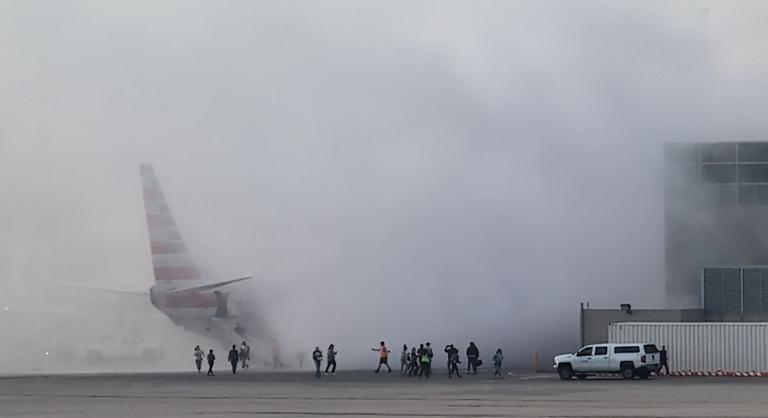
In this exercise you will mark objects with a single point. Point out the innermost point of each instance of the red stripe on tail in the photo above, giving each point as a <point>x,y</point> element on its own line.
<point>176,273</point>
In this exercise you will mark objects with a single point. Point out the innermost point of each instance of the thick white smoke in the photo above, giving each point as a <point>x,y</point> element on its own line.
<point>405,171</point>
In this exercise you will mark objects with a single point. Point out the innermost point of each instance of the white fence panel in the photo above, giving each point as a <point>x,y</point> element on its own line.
<point>702,346</point>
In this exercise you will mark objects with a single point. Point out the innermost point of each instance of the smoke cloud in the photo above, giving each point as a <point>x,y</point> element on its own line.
<point>408,171</point>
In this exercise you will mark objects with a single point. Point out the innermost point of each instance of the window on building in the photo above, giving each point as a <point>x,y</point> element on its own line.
<point>747,195</point>
<point>753,152</point>
<point>726,194</point>
<point>713,290</point>
<point>753,173</point>
<point>761,194</point>
<point>718,152</point>
<point>764,290</point>
<point>752,287</point>
<point>719,173</point>
<point>732,291</point>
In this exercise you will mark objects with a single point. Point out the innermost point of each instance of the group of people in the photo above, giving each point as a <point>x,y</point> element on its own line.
<point>317,357</point>
<point>241,356</point>
<point>416,362</point>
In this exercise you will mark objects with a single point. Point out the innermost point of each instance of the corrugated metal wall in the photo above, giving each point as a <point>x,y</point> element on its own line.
<point>702,346</point>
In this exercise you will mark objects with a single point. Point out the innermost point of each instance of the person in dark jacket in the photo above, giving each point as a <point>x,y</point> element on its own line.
<point>453,360</point>
<point>424,362</point>
<point>234,357</point>
<point>663,360</point>
<point>473,354</point>
<point>211,360</point>
<point>317,357</point>
<point>413,364</point>
<point>331,360</point>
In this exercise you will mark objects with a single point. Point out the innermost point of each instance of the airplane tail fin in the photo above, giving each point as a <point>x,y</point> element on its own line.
<point>170,259</point>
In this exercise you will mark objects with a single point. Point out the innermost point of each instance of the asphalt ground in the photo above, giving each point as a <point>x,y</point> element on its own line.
<point>365,394</point>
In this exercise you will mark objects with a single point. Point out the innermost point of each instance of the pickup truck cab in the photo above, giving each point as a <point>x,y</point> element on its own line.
<point>628,360</point>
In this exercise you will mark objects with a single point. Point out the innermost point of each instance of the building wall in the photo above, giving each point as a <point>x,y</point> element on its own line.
<point>595,322</point>
<point>716,212</point>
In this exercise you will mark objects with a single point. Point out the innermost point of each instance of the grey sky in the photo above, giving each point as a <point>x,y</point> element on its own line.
<point>401,170</point>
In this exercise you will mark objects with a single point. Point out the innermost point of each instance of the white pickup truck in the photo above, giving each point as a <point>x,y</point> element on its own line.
<point>628,360</point>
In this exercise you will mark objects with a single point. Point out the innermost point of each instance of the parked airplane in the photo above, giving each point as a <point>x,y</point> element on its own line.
<point>181,291</point>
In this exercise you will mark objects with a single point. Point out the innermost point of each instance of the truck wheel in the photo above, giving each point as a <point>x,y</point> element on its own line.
<point>565,371</point>
<point>581,376</point>
<point>644,374</point>
<point>627,371</point>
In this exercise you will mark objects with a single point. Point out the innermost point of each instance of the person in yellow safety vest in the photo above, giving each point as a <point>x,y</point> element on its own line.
<point>383,357</point>
<point>426,361</point>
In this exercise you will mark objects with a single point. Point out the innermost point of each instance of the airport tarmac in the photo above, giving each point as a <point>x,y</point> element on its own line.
<point>364,394</point>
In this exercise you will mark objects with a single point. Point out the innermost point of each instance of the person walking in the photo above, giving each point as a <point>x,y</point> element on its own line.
<point>331,360</point>
<point>404,360</point>
<point>473,354</point>
<point>425,360</point>
<point>453,360</point>
<point>276,363</point>
<point>498,359</point>
<point>317,356</point>
<point>413,365</point>
<point>245,355</point>
<point>233,358</point>
<point>663,360</point>
<point>211,360</point>
<point>198,354</point>
<point>383,357</point>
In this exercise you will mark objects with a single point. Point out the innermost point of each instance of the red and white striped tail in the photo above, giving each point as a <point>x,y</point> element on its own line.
<point>169,254</point>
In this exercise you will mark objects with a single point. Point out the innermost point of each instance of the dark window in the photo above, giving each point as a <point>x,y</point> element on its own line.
<point>719,173</point>
<point>727,194</point>
<point>732,291</point>
<point>752,173</point>
<point>752,289</point>
<point>601,351</point>
<point>753,152</point>
<point>713,290</point>
<point>761,194</point>
<point>764,290</point>
<point>747,195</point>
<point>585,352</point>
<point>718,153</point>
<point>626,349</point>
<point>650,349</point>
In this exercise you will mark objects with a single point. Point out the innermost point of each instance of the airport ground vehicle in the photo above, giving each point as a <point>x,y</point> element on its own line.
<point>628,360</point>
